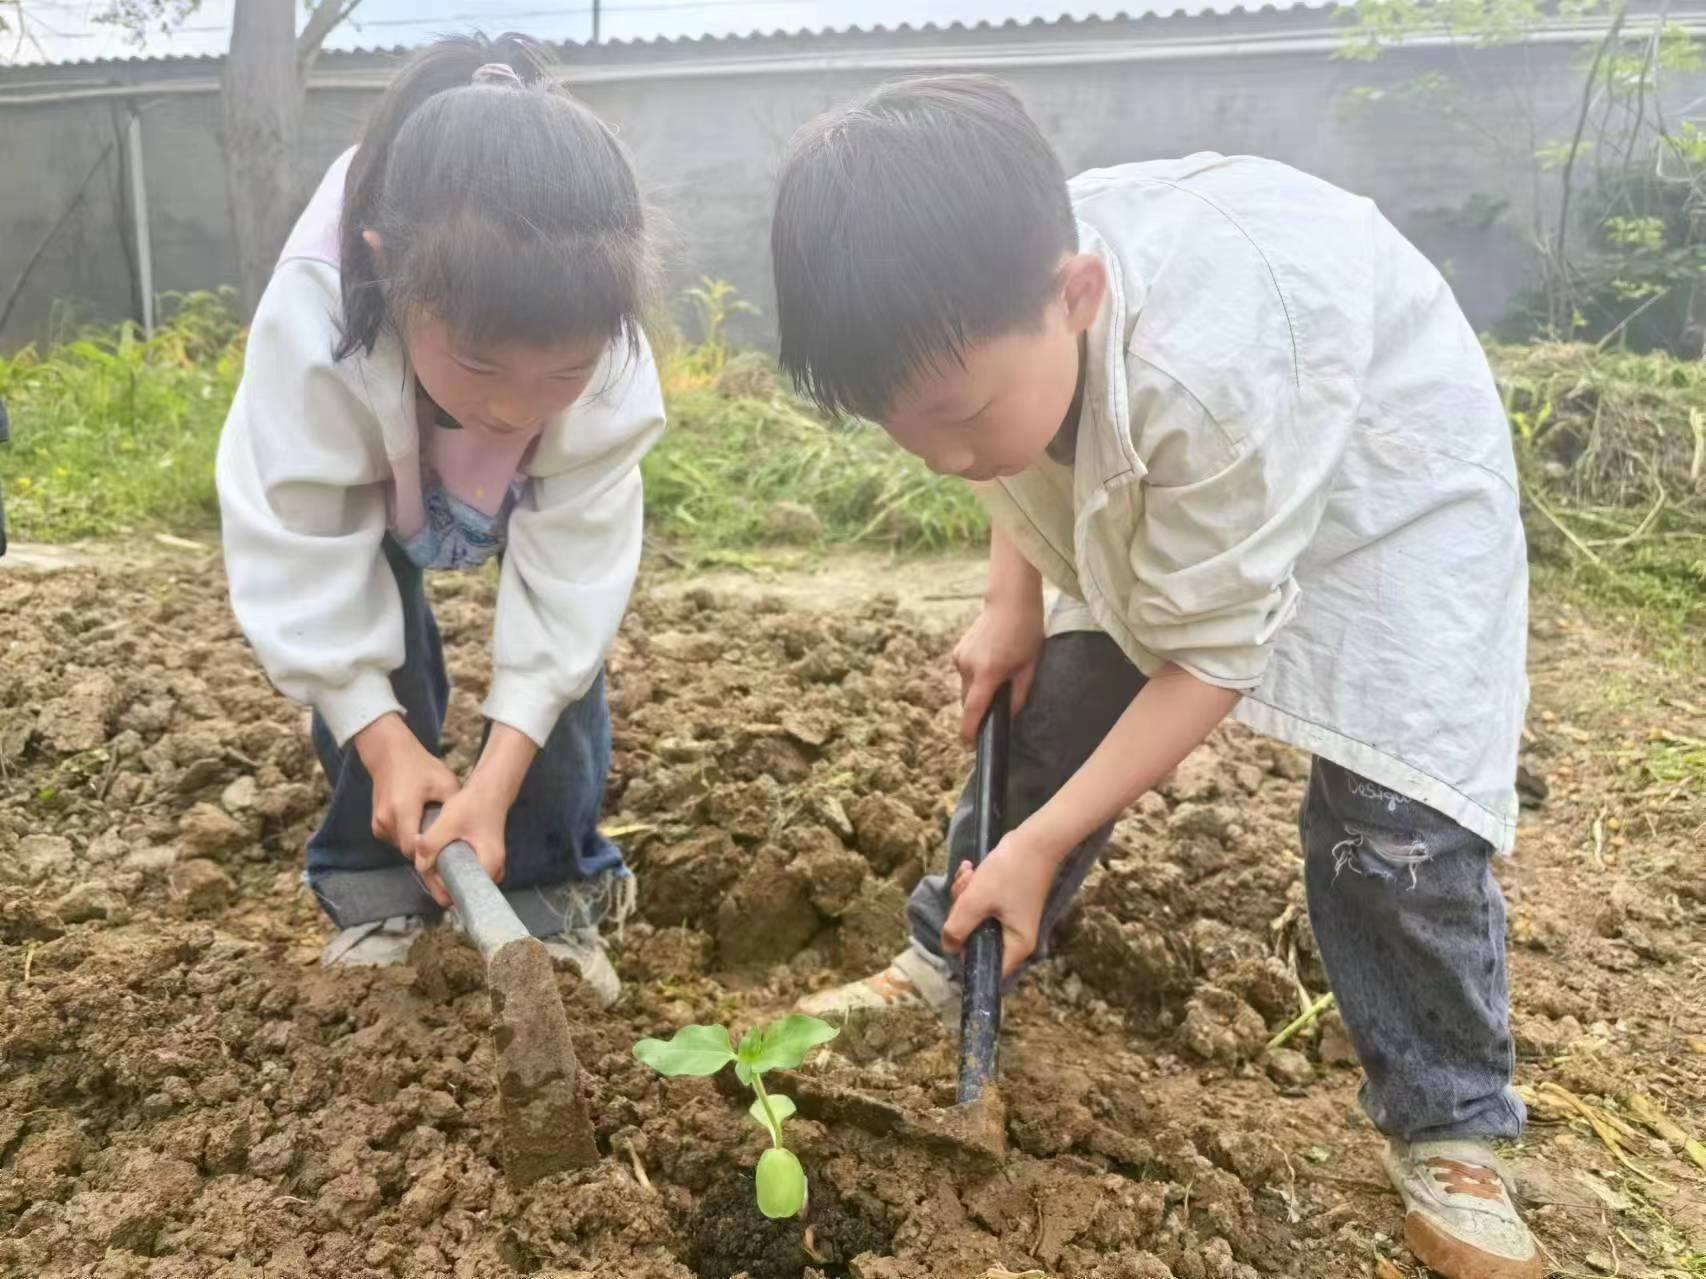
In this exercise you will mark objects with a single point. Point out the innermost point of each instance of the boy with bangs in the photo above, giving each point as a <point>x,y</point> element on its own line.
<point>1243,428</point>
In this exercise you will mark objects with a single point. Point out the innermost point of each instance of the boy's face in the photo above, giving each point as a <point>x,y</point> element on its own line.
<point>994,413</point>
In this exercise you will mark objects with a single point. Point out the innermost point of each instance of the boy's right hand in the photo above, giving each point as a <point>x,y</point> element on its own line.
<point>1004,643</point>
<point>406,778</point>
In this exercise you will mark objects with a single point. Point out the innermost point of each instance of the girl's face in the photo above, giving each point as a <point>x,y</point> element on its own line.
<point>499,391</point>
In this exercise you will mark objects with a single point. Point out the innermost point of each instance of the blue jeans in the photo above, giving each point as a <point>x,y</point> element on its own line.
<point>552,836</point>
<point>1408,918</point>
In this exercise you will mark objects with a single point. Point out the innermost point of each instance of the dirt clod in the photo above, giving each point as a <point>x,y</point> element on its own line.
<point>87,901</point>
<point>1221,1027</point>
<point>209,831</point>
<point>77,720</point>
<point>40,857</point>
<point>834,875</point>
<point>887,831</point>
<point>768,915</point>
<point>202,886</point>
<point>1289,1067</point>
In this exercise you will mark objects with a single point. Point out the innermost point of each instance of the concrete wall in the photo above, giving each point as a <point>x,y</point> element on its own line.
<point>707,146</point>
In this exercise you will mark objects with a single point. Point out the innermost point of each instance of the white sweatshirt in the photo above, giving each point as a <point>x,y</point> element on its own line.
<point>307,457</point>
<point>1294,477</point>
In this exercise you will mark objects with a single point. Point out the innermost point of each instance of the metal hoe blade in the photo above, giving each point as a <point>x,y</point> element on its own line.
<point>545,1124</point>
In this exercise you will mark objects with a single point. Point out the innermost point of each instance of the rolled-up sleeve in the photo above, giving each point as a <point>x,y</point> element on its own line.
<point>1223,517</point>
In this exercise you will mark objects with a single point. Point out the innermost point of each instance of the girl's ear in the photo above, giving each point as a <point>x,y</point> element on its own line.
<point>1084,283</point>
<point>375,243</point>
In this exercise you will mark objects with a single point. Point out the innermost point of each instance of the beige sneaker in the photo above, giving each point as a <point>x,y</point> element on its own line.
<point>912,980</point>
<point>1458,1216</point>
<point>584,950</point>
<point>384,943</point>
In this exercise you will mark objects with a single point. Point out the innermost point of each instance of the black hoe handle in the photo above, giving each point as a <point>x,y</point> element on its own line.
<point>980,1011</point>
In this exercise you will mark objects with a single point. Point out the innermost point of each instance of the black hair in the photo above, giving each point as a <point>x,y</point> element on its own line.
<point>927,215</point>
<point>503,206</point>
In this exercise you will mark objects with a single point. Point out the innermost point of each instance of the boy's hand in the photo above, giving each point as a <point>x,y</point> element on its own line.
<point>406,778</point>
<point>476,815</point>
<point>1004,643</point>
<point>1012,886</point>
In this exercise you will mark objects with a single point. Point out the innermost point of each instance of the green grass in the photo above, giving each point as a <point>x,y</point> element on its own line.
<point>113,434</point>
<point>1671,760</point>
<point>738,446</point>
<point>714,484</point>
<point>1612,447</point>
<point>1657,593</point>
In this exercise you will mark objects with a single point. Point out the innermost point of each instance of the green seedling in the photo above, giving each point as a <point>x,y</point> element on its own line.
<point>779,1045</point>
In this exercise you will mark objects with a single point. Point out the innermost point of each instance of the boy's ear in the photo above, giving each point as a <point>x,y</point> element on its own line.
<point>1083,285</point>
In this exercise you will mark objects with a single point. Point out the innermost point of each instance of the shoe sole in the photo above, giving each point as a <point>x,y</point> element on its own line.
<point>1448,1255</point>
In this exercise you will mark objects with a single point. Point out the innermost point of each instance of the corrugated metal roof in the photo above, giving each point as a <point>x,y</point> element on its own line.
<point>1127,19</point>
<point>1072,24</point>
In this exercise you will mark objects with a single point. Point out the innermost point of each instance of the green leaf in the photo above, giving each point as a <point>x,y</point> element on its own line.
<point>781,1184</point>
<point>781,1045</point>
<point>782,1107</point>
<point>694,1050</point>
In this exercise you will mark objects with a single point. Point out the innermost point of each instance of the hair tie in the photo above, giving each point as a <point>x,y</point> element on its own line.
<point>497,73</point>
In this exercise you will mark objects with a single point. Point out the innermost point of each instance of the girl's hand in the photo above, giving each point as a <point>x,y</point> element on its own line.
<point>406,778</point>
<point>1012,886</point>
<point>475,815</point>
<point>479,812</point>
<point>1004,643</point>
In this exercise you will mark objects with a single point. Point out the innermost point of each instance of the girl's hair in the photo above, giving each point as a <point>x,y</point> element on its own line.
<point>503,207</point>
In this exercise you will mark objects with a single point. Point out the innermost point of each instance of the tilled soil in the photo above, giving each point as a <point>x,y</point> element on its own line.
<point>185,1093</point>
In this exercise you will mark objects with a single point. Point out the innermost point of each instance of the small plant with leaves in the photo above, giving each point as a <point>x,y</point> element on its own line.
<point>778,1045</point>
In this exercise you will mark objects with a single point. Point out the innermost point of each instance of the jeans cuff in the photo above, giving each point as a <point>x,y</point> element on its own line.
<point>352,897</point>
<point>548,909</point>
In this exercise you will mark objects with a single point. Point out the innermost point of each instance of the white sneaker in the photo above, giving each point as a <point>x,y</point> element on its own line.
<point>913,979</point>
<point>383,943</point>
<point>585,950</point>
<point>1459,1219</point>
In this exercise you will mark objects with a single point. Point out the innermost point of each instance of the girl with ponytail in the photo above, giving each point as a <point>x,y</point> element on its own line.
<point>447,367</point>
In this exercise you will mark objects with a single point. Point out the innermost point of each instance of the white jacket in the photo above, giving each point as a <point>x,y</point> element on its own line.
<point>305,462</point>
<point>1294,477</point>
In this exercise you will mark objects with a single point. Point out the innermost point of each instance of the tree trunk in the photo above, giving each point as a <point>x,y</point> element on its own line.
<point>262,96</point>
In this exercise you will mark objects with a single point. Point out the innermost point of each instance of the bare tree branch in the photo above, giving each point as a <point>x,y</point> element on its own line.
<point>322,21</point>
<point>1648,68</point>
<point>1560,258</point>
<point>19,25</point>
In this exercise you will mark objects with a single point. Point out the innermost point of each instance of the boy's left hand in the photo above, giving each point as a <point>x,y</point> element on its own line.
<point>1012,886</point>
<point>474,815</point>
